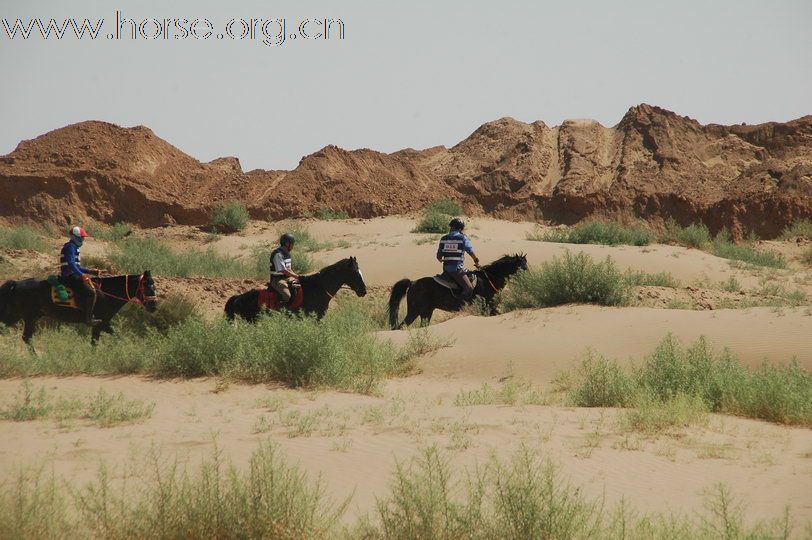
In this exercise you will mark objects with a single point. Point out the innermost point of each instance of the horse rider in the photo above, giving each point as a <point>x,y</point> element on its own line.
<point>76,276</point>
<point>451,252</point>
<point>282,277</point>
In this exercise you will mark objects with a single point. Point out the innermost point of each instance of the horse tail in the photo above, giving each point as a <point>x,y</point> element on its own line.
<point>398,292</point>
<point>230,307</point>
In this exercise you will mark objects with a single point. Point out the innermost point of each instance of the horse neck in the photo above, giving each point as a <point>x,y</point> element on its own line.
<point>120,286</point>
<point>330,281</point>
<point>500,273</point>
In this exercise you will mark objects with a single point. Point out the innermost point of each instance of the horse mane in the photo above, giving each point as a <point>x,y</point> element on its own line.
<point>328,268</point>
<point>504,261</point>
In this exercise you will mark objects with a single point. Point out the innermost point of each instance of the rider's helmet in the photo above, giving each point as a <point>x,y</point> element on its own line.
<point>78,234</point>
<point>285,238</point>
<point>456,224</point>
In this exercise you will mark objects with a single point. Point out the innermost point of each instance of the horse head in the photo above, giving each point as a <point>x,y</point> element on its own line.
<point>146,291</point>
<point>355,279</point>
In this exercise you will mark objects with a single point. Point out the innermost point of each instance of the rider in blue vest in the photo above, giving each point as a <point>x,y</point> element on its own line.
<point>282,275</point>
<point>451,252</point>
<point>76,276</point>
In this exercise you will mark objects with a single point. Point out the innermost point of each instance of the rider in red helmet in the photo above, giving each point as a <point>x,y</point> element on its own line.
<point>76,276</point>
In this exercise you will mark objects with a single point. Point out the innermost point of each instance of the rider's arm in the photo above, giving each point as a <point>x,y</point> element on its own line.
<point>70,257</point>
<point>440,251</point>
<point>290,273</point>
<point>469,249</point>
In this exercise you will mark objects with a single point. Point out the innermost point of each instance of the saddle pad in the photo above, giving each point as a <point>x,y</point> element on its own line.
<point>70,302</point>
<point>449,283</point>
<point>269,299</point>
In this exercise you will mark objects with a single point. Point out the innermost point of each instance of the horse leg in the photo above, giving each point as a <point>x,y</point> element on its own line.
<point>410,318</point>
<point>29,325</point>
<point>425,317</point>
<point>94,336</point>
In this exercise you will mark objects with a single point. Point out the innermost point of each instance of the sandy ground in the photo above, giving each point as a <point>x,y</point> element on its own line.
<point>353,441</point>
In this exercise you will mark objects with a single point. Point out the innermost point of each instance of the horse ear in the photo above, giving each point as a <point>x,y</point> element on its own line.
<point>147,273</point>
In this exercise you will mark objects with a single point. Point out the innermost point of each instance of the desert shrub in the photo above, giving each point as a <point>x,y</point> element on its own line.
<point>599,382</point>
<point>21,237</point>
<point>661,279</point>
<point>802,228</point>
<point>433,222</point>
<point>134,255</point>
<point>780,394</point>
<point>695,235</point>
<point>599,232</point>
<point>571,278</point>
<point>448,207</point>
<point>172,310</point>
<point>113,233</point>
<point>653,415</point>
<point>270,499</point>
<point>437,215</point>
<point>102,409</point>
<point>723,247</point>
<point>229,217</point>
<point>339,351</point>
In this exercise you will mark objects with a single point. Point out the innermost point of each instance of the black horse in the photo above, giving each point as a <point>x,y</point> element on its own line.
<point>425,295</point>
<point>318,289</point>
<point>30,299</point>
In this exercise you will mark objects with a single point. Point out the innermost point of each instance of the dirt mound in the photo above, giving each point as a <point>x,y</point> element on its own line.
<point>653,165</point>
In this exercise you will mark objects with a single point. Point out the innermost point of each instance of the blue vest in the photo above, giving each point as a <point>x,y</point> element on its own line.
<point>452,250</point>
<point>69,260</point>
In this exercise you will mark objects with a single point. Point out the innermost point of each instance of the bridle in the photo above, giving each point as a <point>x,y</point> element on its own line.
<point>140,293</point>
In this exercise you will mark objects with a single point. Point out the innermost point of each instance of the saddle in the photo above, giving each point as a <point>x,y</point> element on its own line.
<point>448,282</point>
<point>269,299</point>
<point>61,295</point>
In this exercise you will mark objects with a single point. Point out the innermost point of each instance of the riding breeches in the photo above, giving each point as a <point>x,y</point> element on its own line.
<point>462,279</point>
<point>282,286</point>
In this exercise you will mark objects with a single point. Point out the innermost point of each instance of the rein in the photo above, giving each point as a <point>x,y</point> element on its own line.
<point>139,292</point>
<point>484,273</point>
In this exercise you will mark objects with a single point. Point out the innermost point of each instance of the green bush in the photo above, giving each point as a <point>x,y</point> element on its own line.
<point>801,228</point>
<point>598,232</point>
<point>652,415</point>
<point>780,394</point>
<point>448,207</point>
<point>339,351</point>
<point>661,279</point>
<point>570,279</point>
<point>229,217</point>
<point>172,310</point>
<point>114,233</point>
<point>21,237</point>
<point>134,255</point>
<point>433,222</point>
<point>723,247</point>
<point>694,235</point>
<point>602,383</point>
<point>270,499</point>
<point>437,215</point>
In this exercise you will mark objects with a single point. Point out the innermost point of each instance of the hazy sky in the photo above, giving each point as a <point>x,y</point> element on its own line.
<point>408,74</point>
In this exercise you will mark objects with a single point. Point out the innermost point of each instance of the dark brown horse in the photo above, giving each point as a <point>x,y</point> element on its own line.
<point>425,295</point>
<point>29,300</point>
<point>318,289</point>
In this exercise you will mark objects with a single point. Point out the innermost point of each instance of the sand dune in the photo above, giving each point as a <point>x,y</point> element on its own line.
<point>538,344</point>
